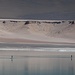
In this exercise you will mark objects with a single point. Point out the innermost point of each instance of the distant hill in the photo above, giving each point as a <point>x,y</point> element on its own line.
<point>38,30</point>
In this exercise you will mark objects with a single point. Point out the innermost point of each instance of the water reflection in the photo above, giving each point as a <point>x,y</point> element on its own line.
<point>37,66</point>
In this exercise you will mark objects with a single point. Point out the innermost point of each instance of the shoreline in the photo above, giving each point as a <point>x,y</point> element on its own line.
<point>35,54</point>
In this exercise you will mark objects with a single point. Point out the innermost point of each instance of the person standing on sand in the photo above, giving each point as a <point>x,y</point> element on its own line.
<point>71,57</point>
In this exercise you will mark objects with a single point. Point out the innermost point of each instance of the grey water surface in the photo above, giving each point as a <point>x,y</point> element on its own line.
<point>32,62</point>
<point>37,66</point>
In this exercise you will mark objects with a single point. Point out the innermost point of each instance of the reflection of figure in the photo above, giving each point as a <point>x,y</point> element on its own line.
<point>71,57</point>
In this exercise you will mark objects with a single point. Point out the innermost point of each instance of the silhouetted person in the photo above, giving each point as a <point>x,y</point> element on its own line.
<point>71,57</point>
<point>11,57</point>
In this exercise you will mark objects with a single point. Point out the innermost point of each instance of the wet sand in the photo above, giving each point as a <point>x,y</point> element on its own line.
<point>37,50</point>
<point>36,53</point>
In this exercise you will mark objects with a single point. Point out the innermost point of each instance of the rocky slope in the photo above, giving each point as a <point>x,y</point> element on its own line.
<point>38,29</point>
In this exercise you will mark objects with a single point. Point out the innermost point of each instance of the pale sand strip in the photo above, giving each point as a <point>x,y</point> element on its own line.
<point>15,40</point>
<point>26,41</point>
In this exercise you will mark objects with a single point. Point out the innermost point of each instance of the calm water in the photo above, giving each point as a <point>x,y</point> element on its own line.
<point>37,66</point>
